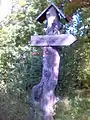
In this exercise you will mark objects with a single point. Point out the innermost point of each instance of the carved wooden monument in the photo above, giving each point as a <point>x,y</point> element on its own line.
<point>43,93</point>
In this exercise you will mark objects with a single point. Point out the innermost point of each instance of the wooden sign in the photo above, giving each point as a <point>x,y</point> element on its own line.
<point>53,40</point>
<point>43,93</point>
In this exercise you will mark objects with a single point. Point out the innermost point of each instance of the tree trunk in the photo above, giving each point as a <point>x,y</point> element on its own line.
<point>43,93</point>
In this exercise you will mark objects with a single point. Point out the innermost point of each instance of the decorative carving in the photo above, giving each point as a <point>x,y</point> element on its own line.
<point>53,24</point>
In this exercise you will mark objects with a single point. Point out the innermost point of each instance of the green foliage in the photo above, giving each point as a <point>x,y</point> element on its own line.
<point>21,66</point>
<point>74,108</point>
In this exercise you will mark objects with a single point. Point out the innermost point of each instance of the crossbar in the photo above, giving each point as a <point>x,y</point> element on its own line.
<point>52,40</point>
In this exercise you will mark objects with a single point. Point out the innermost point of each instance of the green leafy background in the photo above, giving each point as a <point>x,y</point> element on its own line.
<point>21,66</point>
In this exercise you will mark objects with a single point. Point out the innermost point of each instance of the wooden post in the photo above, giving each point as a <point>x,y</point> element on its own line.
<point>51,60</point>
<point>43,93</point>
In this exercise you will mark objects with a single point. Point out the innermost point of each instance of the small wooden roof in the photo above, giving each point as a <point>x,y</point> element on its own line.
<point>42,16</point>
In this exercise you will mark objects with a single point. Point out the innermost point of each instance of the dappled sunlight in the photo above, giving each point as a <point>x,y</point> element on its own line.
<point>21,64</point>
<point>64,104</point>
<point>5,8</point>
<point>3,87</point>
<point>72,108</point>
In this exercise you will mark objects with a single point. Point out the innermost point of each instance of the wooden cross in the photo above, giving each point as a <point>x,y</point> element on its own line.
<point>43,93</point>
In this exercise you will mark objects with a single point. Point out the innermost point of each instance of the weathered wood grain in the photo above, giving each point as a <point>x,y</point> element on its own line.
<point>53,40</point>
<point>43,93</point>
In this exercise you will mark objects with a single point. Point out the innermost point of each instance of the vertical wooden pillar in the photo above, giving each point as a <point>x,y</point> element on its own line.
<point>51,60</point>
<point>43,93</point>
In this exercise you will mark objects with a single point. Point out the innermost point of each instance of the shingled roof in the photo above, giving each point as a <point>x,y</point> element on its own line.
<point>42,16</point>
